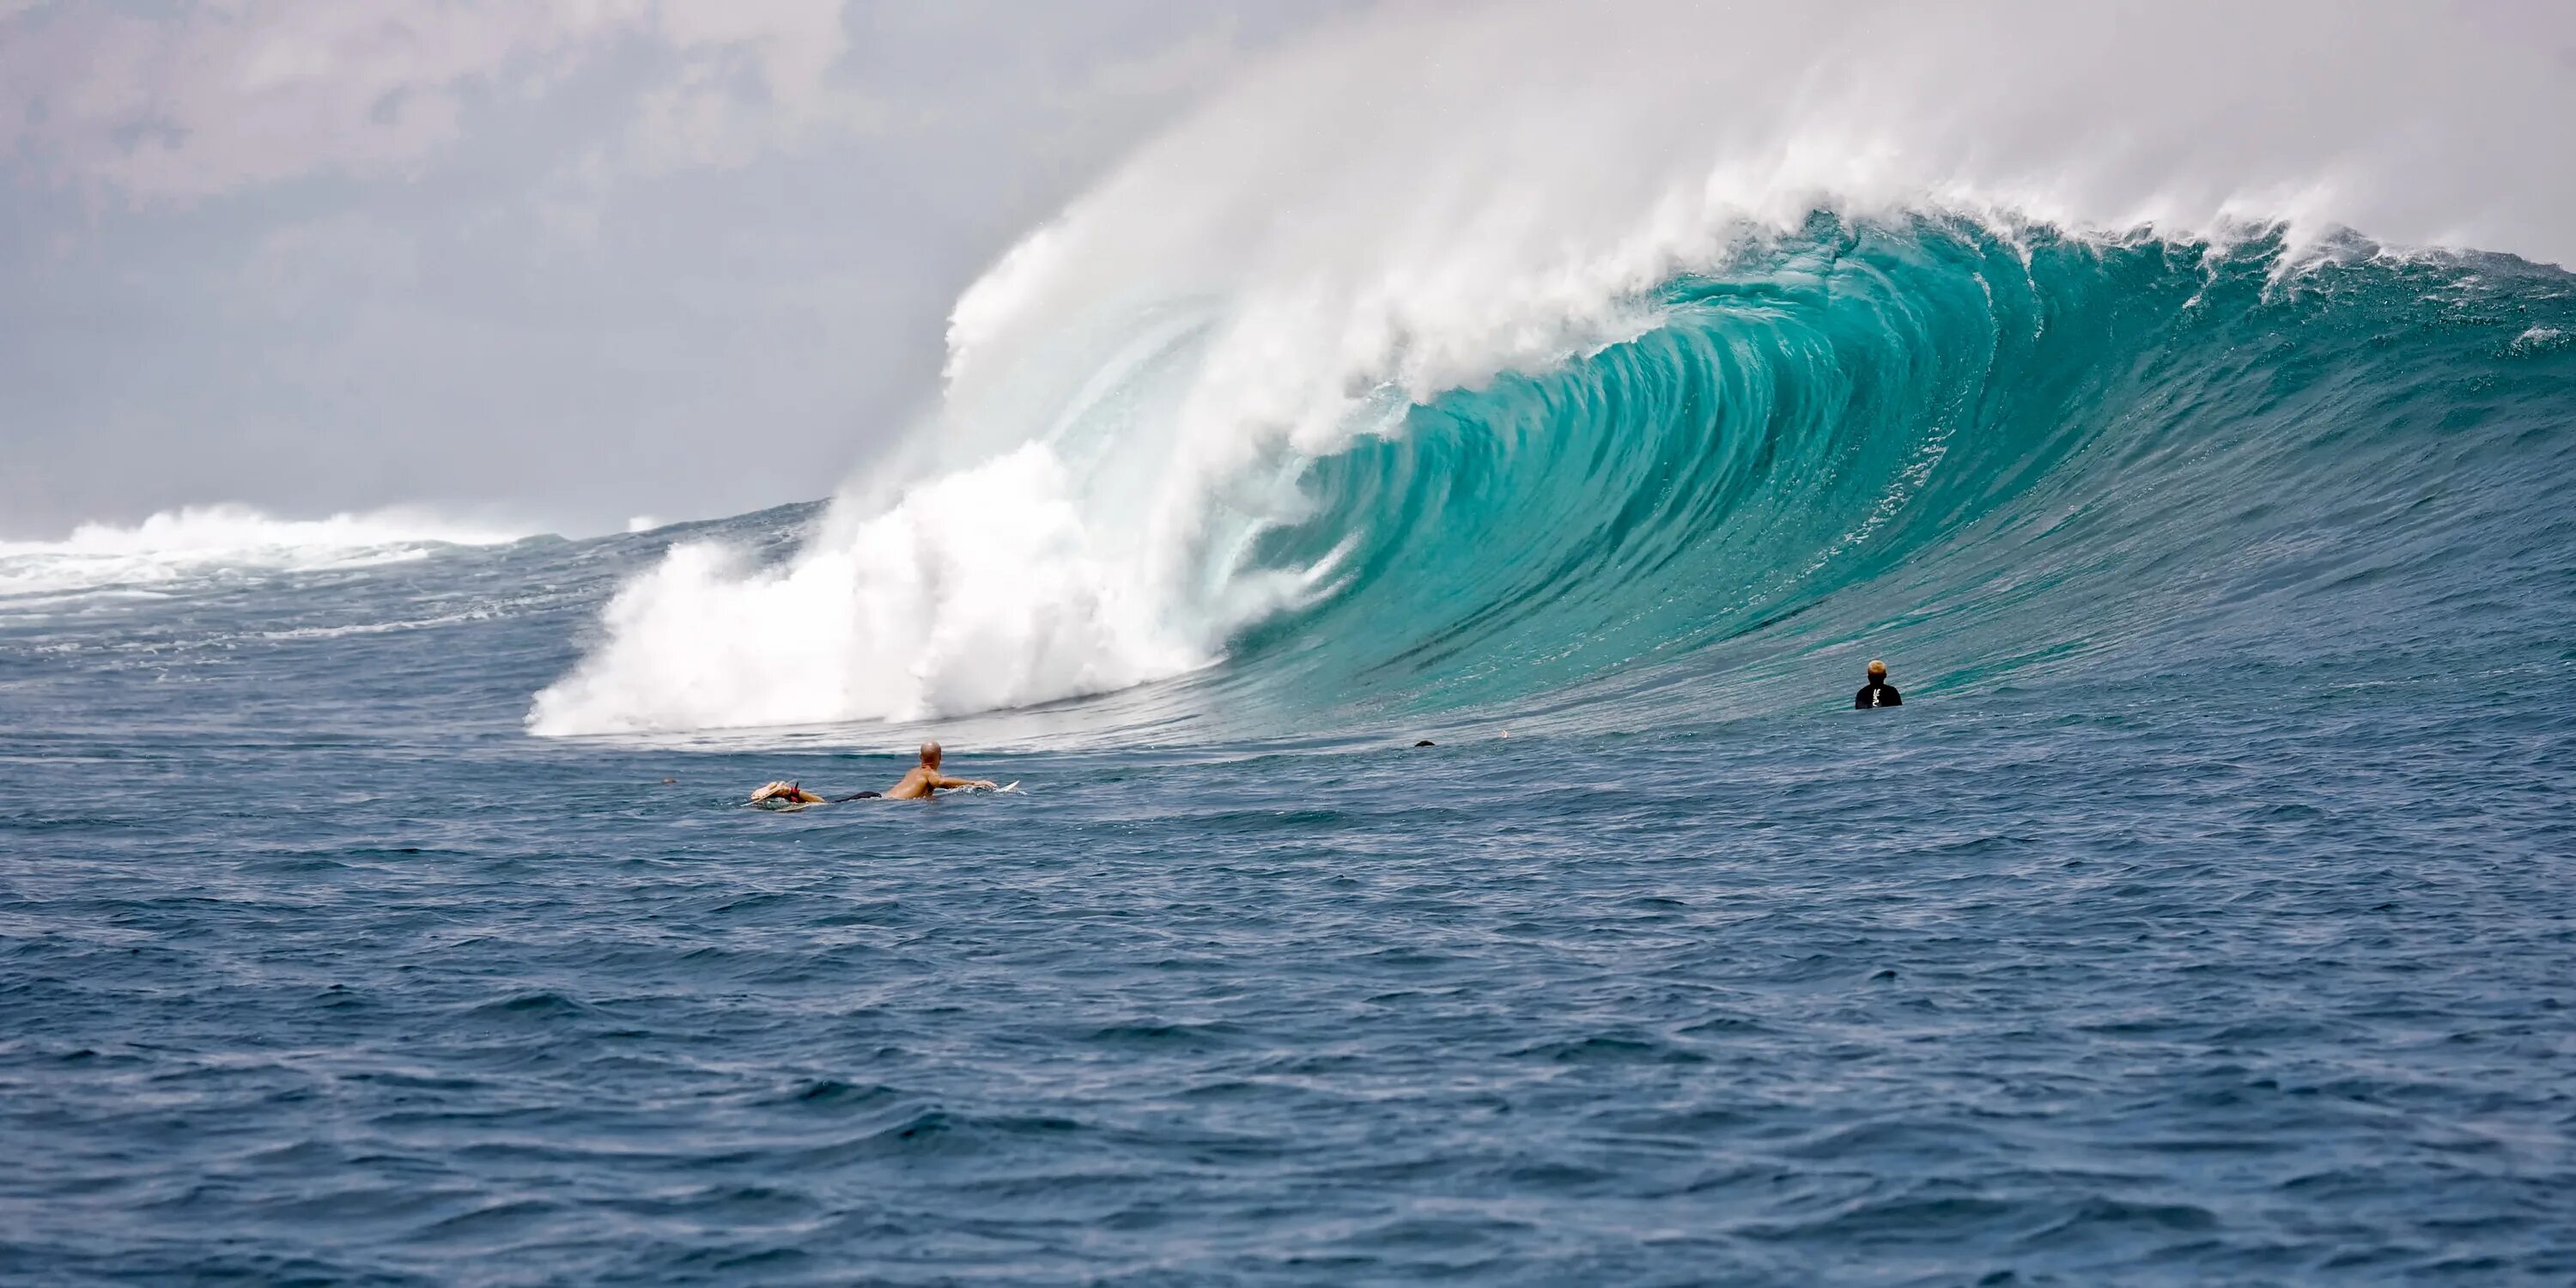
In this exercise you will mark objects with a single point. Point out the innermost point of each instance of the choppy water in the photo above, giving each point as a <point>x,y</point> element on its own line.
<point>2204,917</point>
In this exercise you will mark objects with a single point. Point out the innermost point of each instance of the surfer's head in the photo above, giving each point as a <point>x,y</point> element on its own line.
<point>930,754</point>
<point>1878,670</point>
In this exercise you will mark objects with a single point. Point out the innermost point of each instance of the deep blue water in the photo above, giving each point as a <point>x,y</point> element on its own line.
<point>2205,916</point>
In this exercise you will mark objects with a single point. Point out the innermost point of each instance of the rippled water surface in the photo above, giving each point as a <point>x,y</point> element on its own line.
<point>317,970</point>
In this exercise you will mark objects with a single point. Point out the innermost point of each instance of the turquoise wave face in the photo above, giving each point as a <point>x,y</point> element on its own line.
<point>1981,458</point>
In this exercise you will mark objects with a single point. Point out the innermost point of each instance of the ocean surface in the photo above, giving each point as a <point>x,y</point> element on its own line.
<point>380,908</point>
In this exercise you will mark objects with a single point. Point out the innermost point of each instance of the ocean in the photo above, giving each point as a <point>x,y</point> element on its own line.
<point>378,904</point>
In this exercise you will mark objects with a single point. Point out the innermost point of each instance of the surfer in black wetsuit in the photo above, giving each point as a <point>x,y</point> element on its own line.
<point>784,795</point>
<point>1878,692</point>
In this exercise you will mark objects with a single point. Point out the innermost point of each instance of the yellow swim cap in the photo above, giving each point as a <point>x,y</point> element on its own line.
<point>1878,668</point>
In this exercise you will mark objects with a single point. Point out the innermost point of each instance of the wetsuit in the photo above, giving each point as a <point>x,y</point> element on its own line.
<point>1877,693</point>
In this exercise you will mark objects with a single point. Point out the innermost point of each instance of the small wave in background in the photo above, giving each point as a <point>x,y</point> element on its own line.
<point>210,543</point>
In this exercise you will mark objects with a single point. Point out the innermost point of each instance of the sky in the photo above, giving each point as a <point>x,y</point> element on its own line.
<point>552,262</point>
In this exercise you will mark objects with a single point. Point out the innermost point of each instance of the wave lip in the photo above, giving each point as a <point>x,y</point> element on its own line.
<point>193,543</point>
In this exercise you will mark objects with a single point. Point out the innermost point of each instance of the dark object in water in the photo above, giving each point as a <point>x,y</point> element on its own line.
<point>858,796</point>
<point>1426,743</point>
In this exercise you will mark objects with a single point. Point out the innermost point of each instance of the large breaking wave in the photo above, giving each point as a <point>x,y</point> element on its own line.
<point>1546,360</point>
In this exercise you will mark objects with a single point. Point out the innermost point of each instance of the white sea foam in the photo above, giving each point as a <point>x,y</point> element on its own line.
<point>1420,202</point>
<point>196,542</point>
<point>983,589</point>
<point>2539,339</point>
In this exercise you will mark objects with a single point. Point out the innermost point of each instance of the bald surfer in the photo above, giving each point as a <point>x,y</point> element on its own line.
<point>917,784</point>
<point>923,779</point>
<point>1878,692</point>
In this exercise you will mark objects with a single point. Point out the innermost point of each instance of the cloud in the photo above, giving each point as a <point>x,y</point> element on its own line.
<point>756,74</point>
<point>227,95</point>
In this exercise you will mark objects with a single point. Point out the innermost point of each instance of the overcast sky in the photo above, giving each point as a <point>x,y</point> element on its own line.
<point>560,261</point>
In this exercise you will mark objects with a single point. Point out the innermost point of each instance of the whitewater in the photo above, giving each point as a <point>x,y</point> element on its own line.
<point>2180,399</point>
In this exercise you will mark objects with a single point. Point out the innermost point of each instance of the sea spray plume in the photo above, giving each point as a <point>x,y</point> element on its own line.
<point>1422,203</point>
<point>977,590</point>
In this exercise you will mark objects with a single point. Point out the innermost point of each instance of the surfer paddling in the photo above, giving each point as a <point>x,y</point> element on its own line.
<point>918,783</point>
<point>1878,692</point>
<point>923,779</point>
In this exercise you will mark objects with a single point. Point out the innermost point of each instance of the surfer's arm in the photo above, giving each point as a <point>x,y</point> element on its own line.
<point>945,783</point>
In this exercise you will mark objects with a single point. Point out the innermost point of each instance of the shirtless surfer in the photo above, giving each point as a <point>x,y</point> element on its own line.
<point>923,779</point>
<point>918,783</point>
